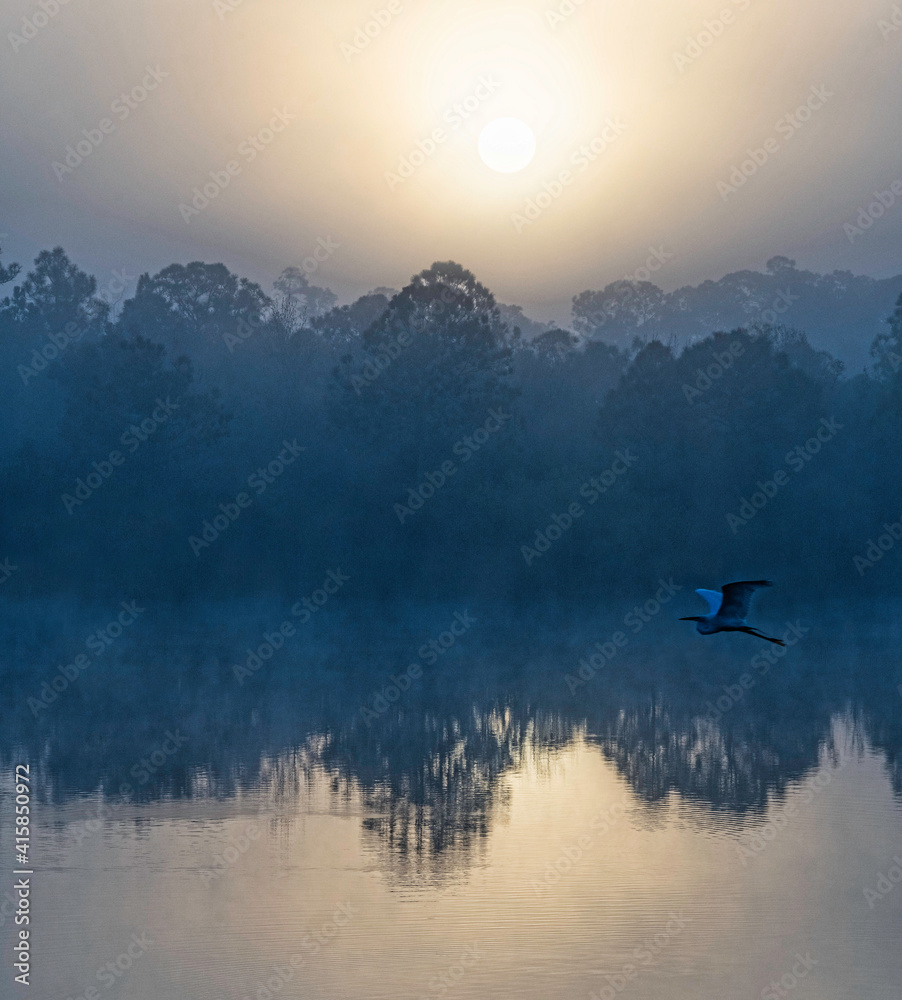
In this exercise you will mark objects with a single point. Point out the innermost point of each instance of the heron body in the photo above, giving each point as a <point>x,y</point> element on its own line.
<point>729,609</point>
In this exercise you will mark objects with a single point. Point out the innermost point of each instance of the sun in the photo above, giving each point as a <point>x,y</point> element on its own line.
<point>507,145</point>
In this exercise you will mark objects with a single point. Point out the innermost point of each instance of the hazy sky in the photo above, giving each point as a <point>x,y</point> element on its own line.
<point>681,89</point>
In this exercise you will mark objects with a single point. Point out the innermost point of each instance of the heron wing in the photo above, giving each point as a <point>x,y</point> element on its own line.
<point>737,597</point>
<point>713,598</point>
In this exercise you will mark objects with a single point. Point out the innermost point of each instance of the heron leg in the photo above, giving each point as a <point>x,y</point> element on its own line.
<point>761,635</point>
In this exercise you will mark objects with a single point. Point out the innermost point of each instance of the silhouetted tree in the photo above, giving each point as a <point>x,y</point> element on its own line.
<point>194,307</point>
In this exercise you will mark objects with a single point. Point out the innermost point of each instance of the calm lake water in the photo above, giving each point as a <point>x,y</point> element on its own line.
<point>487,833</point>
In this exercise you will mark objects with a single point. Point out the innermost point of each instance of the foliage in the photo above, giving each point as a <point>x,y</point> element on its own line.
<point>386,392</point>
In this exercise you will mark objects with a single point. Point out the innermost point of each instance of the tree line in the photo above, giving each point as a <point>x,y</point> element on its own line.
<point>432,442</point>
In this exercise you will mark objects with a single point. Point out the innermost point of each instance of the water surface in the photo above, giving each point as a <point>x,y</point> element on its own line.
<point>490,833</point>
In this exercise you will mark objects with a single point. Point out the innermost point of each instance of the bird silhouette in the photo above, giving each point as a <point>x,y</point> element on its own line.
<point>730,608</point>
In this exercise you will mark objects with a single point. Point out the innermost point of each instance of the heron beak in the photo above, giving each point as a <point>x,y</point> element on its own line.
<point>690,619</point>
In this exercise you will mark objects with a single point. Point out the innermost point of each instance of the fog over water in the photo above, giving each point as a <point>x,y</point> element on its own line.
<point>380,381</point>
<point>645,820</point>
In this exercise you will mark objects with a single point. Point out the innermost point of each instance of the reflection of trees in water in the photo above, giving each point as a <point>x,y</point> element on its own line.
<point>433,781</point>
<point>659,751</point>
<point>888,740</point>
<point>882,724</point>
<point>428,776</point>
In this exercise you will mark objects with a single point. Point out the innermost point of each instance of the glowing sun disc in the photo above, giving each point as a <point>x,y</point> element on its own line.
<point>507,145</point>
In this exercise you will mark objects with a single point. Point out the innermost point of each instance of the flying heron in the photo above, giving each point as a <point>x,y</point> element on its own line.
<point>730,608</point>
